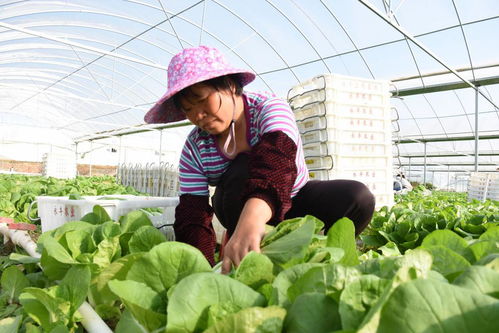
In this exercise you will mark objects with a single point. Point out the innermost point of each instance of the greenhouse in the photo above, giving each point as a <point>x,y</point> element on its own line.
<point>249,166</point>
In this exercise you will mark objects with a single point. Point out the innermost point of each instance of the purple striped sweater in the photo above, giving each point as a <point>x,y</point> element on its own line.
<point>202,163</point>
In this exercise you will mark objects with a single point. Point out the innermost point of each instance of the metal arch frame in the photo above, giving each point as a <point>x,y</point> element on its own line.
<point>202,23</point>
<point>464,109</point>
<point>383,44</point>
<point>171,24</point>
<point>84,99</point>
<point>101,56</point>
<point>260,35</point>
<point>435,113</point>
<point>449,154</point>
<point>456,138</point>
<point>47,76</point>
<point>301,33</point>
<point>464,38</point>
<point>81,46</point>
<point>320,30</point>
<point>413,118</point>
<point>145,61</point>
<point>357,50</point>
<point>106,69</point>
<point>161,67</point>
<point>420,45</point>
<point>213,36</point>
<point>451,116</point>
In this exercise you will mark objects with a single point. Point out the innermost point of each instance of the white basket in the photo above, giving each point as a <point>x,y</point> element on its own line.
<point>350,135</point>
<point>340,82</point>
<point>347,148</point>
<point>332,121</point>
<point>339,96</point>
<point>377,180</point>
<point>483,185</point>
<point>55,211</point>
<point>343,110</point>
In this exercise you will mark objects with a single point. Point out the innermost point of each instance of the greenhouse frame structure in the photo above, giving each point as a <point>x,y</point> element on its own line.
<point>81,75</point>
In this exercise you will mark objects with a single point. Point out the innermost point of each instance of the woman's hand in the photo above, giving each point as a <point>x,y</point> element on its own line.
<point>248,234</point>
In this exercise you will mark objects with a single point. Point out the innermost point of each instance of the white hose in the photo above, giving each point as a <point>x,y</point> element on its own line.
<point>91,321</point>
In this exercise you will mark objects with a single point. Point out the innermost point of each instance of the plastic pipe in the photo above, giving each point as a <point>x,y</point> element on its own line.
<point>91,321</point>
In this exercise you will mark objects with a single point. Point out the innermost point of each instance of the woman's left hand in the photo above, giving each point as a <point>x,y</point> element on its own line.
<point>248,234</point>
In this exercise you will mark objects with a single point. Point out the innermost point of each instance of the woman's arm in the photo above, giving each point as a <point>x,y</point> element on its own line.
<point>272,173</point>
<point>193,217</point>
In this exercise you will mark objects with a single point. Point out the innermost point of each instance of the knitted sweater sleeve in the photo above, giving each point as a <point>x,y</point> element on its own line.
<point>193,217</point>
<point>272,173</point>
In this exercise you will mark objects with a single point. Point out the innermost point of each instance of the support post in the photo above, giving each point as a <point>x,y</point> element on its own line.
<point>476,129</point>
<point>424,169</point>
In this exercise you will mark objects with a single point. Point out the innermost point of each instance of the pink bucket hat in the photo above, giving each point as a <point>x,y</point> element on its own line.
<point>189,67</point>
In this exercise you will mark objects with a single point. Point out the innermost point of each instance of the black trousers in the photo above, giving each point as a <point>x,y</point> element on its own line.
<point>327,200</point>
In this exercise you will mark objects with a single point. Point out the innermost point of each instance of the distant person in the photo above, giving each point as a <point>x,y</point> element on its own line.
<point>248,146</point>
<point>404,183</point>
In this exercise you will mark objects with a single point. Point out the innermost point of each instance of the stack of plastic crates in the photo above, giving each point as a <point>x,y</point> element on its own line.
<point>345,124</point>
<point>483,186</point>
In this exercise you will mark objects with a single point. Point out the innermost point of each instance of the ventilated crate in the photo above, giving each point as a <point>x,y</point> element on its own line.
<point>343,110</point>
<point>347,149</point>
<point>483,186</point>
<point>334,121</point>
<point>351,135</point>
<point>341,89</point>
<point>55,211</point>
<point>377,180</point>
<point>340,82</point>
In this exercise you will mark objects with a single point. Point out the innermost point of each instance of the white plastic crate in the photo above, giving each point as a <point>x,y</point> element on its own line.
<point>55,211</point>
<point>339,96</point>
<point>483,185</point>
<point>340,89</point>
<point>333,121</point>
<point>347,149</point>
<point>341,82</point>
<point>378,181</point>
<point>351,135</point>
<point>343,110</point>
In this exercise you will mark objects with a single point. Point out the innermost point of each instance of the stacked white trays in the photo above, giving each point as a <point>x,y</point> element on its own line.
<point>483,186</point>
<point>345,125</point>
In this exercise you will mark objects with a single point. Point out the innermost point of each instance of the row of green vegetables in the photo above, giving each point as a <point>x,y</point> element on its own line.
<point>302,281</point>
<point>18,191</point>
<point>417,214</point>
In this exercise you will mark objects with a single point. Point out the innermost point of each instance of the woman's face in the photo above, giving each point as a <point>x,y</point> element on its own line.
<point>207,108</point>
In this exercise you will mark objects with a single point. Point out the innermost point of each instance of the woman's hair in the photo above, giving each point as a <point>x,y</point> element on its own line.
<point>226,82</point>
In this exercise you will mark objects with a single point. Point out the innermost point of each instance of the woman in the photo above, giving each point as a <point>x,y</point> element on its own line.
<point>249,147</point>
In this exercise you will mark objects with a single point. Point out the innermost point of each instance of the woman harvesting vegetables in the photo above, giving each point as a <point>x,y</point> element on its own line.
<point>248,146</point>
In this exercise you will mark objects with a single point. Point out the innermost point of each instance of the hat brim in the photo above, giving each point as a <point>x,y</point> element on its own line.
<point>164,111</point>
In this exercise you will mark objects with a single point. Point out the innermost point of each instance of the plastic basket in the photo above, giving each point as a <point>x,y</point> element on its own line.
<point>339,96</point>
<point>348,135</point>
<point>347,149</point>
<point>340,82</point>
<point>343,110</point>
<point>55,211</point>
<point>337,122</point>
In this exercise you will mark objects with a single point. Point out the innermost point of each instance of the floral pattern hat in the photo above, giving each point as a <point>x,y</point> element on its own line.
<point>189,67</point>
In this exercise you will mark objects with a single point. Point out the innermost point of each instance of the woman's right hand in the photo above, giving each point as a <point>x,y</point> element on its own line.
<point>248,234</point>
